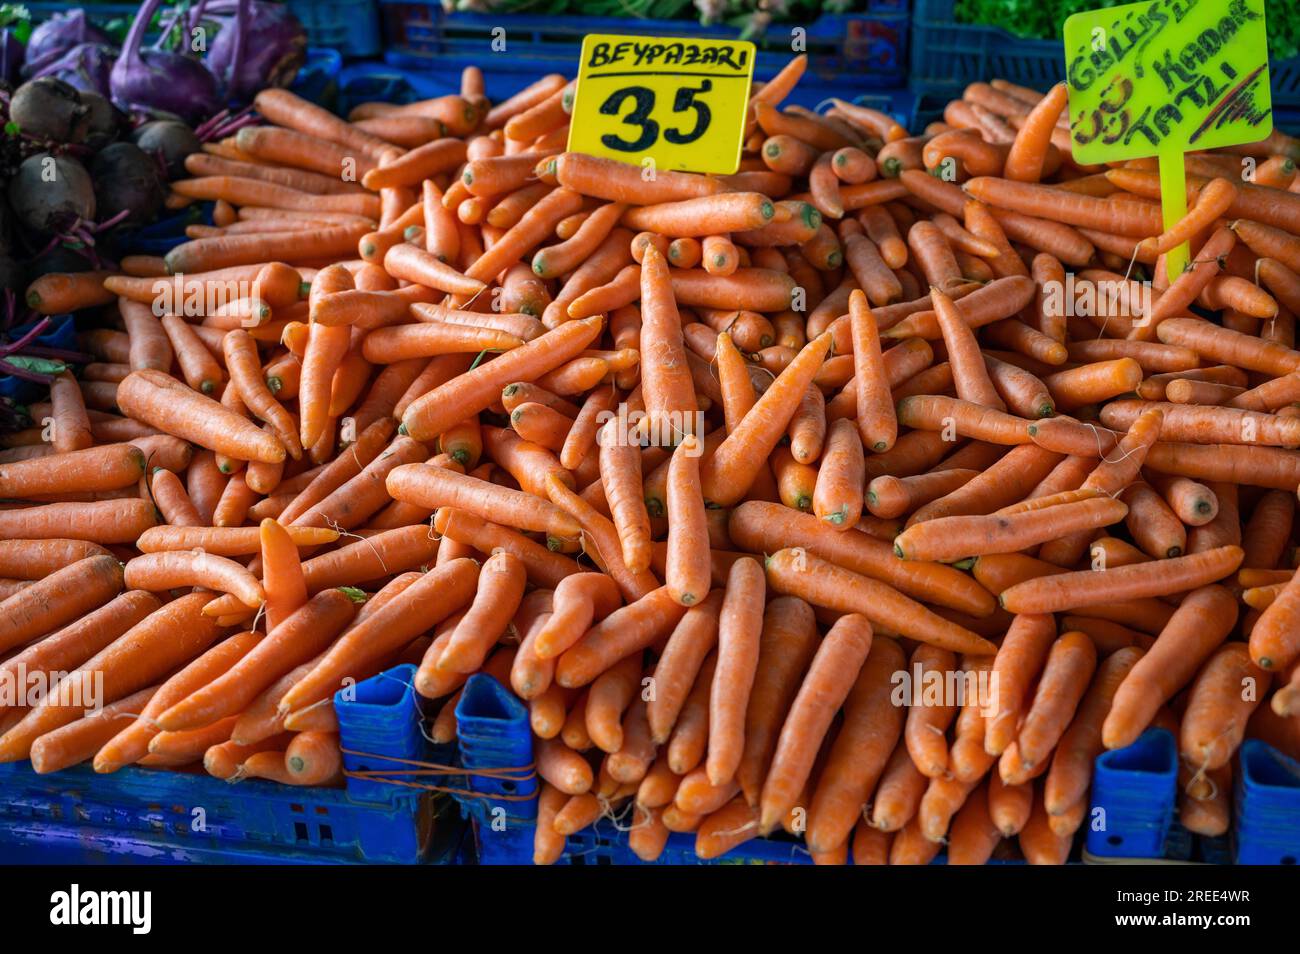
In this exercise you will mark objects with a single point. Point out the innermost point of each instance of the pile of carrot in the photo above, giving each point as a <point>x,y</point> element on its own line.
<point>699,467</point>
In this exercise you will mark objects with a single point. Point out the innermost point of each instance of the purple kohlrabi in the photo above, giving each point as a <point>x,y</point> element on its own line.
<point>86,66</point>
<point>259,44</point>
<point>158,80</point>
<point>60,33</point>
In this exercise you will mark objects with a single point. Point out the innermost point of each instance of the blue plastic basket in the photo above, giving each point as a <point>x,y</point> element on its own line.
<point>493,733</point>
<point>947,55</point>
<point>1266,806</point>
<point>381,720</point>
<point>860,50</point>
<point>178,814</point>
<point>159,238</point>
<point>170,817</point>
<point>62,333</point>
<point>1135,788</point>
<point>604,844</point>
<point>318,77</point>
<point>349,26</point>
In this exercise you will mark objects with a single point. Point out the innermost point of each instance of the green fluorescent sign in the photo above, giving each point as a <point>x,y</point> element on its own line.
<point>1149,78</point>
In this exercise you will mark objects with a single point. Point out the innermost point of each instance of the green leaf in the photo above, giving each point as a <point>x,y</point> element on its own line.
<point>11,128</point>
<point>37,365</point>
<point>355,594</point>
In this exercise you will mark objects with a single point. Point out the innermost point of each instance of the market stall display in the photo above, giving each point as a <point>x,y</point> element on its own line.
<point>884,501</point>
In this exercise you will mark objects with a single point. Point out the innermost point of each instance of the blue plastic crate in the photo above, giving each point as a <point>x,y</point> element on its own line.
<point>318,77</point>
<point>1266,806</point>
<point>349,26</point>
<point>493,733</point>
<point>62,333</point>
<point>187,816</point>
<point>188,812</point>
<point>947,55</point>
<point>845,50</point>
<point>380,717</point>
<point>159,238</point>
<point>1136,788</point>
<point>604,844</point>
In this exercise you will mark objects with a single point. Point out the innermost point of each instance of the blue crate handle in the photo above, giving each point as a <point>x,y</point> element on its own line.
<point>1136,786</point>
<point>371,706</point>
<point>1266,806</point>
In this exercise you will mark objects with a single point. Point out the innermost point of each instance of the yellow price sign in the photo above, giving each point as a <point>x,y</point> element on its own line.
<point>680,104</point>
<point>1162,77</point>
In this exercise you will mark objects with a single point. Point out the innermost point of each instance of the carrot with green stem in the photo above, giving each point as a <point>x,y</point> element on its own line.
<point>727,474</point>
<point>625,631</point>
<point>798,573</point>
<point>424,602</point>
<point>163,641</point>
<point>679,665</point>
<point>58,599</point>
<point>838,493</point>
<point>433,487</point>
<point>763,527</point>
<point>666,384</point>
<point>1158,578</point>
<point>160,400</point>
<point>601,540</point>
<point>108,467</point>
<point>447,404</point>
<point>875,408</point>
<point>952,415</point>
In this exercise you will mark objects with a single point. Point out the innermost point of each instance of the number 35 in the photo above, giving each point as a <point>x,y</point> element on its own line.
<point>643,103</point>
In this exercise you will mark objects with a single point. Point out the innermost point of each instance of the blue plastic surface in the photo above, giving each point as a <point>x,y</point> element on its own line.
<point>318,77</point>
<point>846,51</point>
<point>201,813</point>
<point>159,238</point>
<point>1266,806</point>
<point>172,817</point>
<point>947,55</point>
<point>378,717</point>
<point>604,844</point>
<point>349,26</point>
<point>62,333</point>
<point>493,732</point>
<point>1135,787</point>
